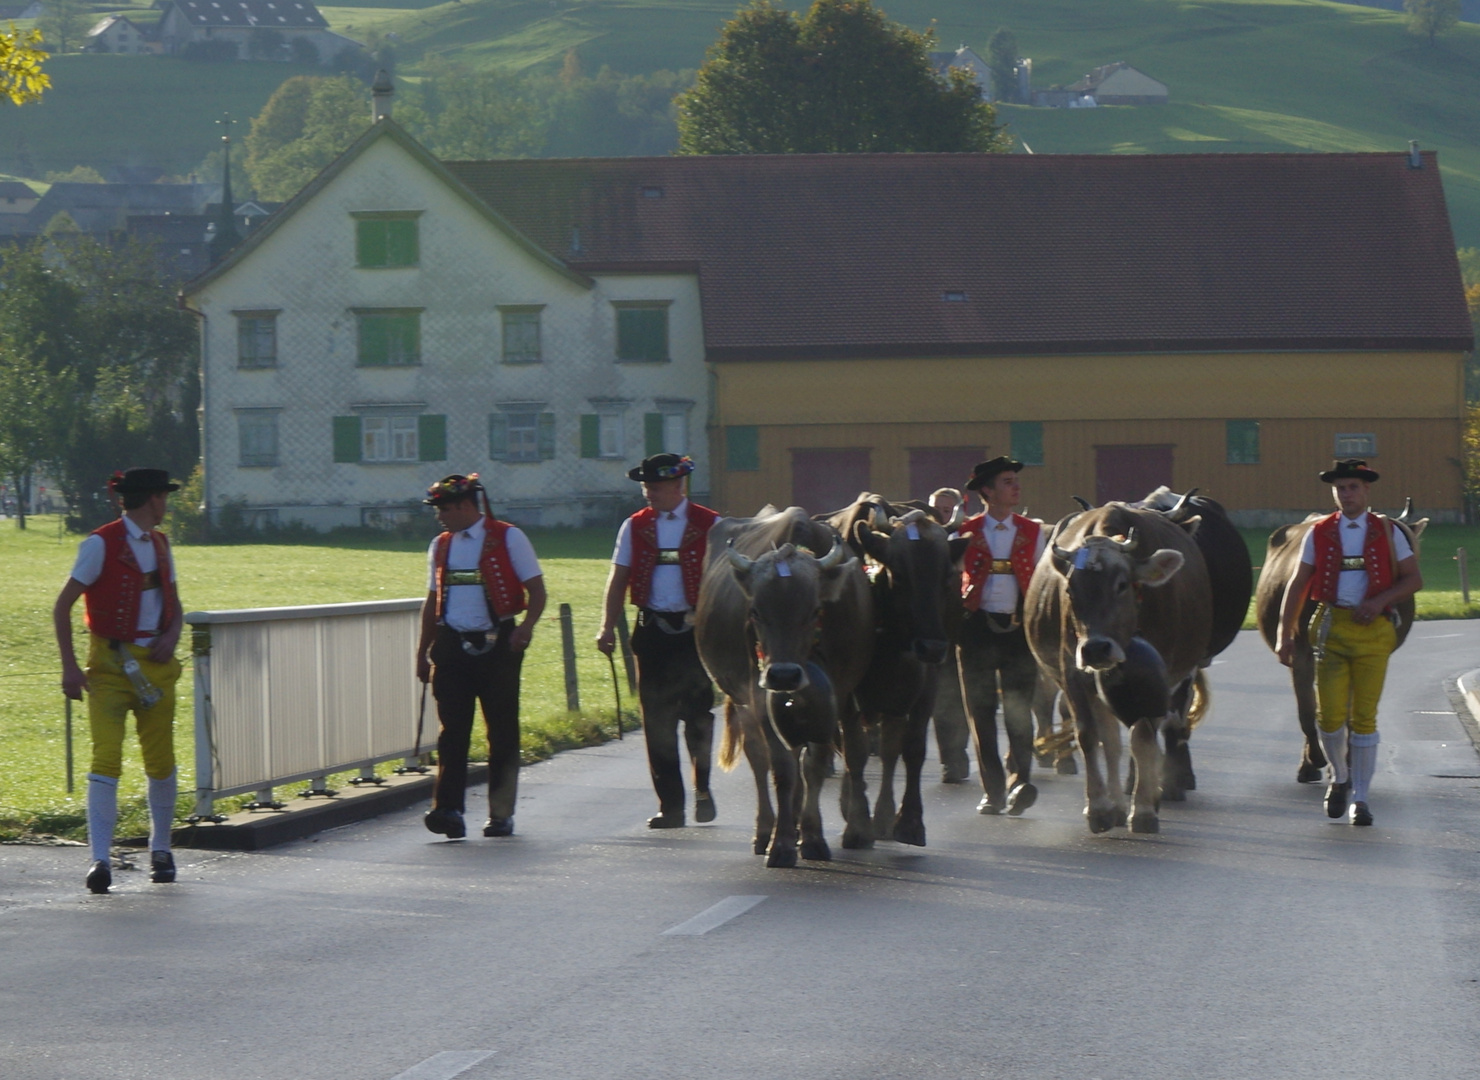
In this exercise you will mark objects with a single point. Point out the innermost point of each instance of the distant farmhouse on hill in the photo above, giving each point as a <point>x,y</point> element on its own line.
<point>969,61</point>
<point>253,27</point>
<point>1112,84</point>
<point>118,34</point>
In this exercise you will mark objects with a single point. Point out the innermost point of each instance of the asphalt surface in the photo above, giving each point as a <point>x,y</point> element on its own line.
<point>1253,937</point>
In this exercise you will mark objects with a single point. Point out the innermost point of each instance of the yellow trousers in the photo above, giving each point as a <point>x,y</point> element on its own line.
<point>111,697</point>
<point>1350,674</point>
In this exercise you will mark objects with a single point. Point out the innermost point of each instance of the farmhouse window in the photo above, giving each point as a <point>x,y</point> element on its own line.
<point>388,337</point>
<point>521,435</point>
<point>1352,444</point>
<point>743,448</point>
<point>1243,442</point>
<point>256,339</point>
<point>1027,441</point>
<point>385,240</point>
<point>390,438</point>
<point>666,432</point>
<point>642,331</point>
<point>257,431</point>
<point>521,334</point>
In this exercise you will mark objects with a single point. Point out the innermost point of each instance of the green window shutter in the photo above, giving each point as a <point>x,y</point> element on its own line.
<point>404,339</point>
<point>1242,438</point>
<point>373,345</point>
<point>590,435</point>
<point>346,439</point>
<point>642,334</point>
<point>652,433</point>
<point>431,437</point>
<point>401,242</point>
<point>498,436</point>
<point>743,448</point>
<point>545,435</point>
<point>1027,441</point>
<point>370,243</point>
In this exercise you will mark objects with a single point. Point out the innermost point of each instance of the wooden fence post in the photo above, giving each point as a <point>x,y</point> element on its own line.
<point>568,648</point>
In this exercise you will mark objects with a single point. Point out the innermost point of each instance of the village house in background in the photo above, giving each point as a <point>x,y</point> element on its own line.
<point>16,198</point>
<point>119,34</point>
<point>1112,84</point>
<point>968,60</point>
<point>808,327</point>
<point>254,27</point>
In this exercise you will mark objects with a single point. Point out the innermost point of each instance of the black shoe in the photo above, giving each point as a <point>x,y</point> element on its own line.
<point>1020,798</point>
<point>447,822</point>
<point>499,826</point>
<point>161,867</point>
<point>703,807</point>
<point>1360,814</point>
<point>988,807</point>
<point>99,877</point>
<point>666,820</point>
<point>1336,796</point>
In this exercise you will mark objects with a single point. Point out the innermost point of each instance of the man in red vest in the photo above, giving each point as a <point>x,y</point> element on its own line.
<point>481,574</point>
<point>126,576</point>
<point>1357,566</point>
<point>1004,547</point>
<point>658,562</point>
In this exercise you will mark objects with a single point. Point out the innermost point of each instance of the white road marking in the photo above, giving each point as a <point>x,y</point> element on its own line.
<point>446,1065</point>
<point>722,912</point>
<point>1436,637</point>
<point>1433,712</point>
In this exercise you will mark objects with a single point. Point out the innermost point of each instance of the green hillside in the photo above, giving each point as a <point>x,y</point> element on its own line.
<point>1245,75</point>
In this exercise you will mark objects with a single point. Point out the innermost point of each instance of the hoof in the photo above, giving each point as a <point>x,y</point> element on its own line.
<point>1043,761</point>
<point>1100,820</point>
<point>857,839</point>
<point>816,850</point>
<point>1309,774</point>
<point>761,844</point>
<point>912,833</point>
<point>1173,793</point>
<point>1066,767</point>
<point>1119,816</point>
<point>783,856</point>
<point>1145,822</point>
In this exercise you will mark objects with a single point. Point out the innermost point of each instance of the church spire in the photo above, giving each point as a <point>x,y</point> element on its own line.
<point>225,237</point>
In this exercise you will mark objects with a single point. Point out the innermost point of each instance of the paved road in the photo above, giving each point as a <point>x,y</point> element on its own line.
<point>1252,938</point>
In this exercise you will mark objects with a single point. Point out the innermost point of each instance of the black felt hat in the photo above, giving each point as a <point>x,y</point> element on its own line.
<point>453,488</point>
<point>141,482</point>
<point>1349,469</point>
<point>661,467</point>
<point>987,471</point>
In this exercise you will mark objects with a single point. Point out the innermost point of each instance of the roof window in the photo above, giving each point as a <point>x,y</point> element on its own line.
<point>652,192</point>
<point>953,297</point>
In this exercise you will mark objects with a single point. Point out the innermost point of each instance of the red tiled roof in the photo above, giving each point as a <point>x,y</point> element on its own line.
<point>852,255</point>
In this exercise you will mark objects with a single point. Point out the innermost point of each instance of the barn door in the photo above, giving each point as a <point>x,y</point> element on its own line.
<point>827,480</point>
<point>1130,473</point>
<point>933,467</point>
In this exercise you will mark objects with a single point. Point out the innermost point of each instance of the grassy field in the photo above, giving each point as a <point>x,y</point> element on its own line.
<point>1245,75</point>
<point>33,798</point>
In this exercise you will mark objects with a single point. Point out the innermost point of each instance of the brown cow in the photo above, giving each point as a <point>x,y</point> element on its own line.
<point>1119,611</point>
<point>787,635</point>
<point>1281,560</point>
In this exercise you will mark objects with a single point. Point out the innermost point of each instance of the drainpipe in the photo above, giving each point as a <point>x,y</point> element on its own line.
<point>205,411</point>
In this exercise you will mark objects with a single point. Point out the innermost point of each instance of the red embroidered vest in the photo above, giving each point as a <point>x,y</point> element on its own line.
<point>112,602</point>
<point>1377,557</point>
<point>978,564</point>
<point>502,588</point>
<point>690,553</point>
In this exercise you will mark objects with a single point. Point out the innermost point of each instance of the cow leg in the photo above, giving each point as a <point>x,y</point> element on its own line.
<point>1099,808</point>
<point>891,739</point>
<point>1064,763</point>
<point>858,831</point>
<point>1176,767</point>
<point>758,753</point>
<point>815,759</point>
<point>909,826</point>
<point>1148,774</point>
<point>1110,744</point>
<point>1043,701</point>
<point>1303,677</point>
<point>784,769</point>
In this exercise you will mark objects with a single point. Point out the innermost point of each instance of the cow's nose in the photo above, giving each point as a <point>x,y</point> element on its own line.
<point>1097,654</point>
<point>929,651</point>
<point>783,678</point>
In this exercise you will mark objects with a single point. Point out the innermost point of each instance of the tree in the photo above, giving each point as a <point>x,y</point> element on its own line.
<point>21,77</point>
<point>1430,18</point>
<point>1002,59</point>
<point>306,124</point>
<point>63,22</point>
<point>841,79</point>
<point>466,115</point>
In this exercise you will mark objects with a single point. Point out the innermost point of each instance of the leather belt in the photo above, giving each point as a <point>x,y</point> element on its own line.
<point>1353,562</point>
<point>463,577</point>
<point>668,557</point>
<point>670,622</point>
<point>1001,566</point>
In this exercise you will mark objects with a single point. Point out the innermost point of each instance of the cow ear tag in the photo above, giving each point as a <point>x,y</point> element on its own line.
<point>783,568</point>
<point>912,531</point>
<point>1081,558</point>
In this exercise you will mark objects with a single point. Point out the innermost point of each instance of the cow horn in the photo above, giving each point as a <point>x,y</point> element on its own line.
<point>1062,555</point>
<point>834,556</point>
<point>881,519</point>
<point>1084,504</point>
<point>1180,511</point>
<point>1407,509</point>
<point>738,561</point>
<point>957,517</point>
<point>1128,544</point>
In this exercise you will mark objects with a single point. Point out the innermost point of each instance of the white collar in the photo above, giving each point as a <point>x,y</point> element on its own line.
<point>135,530</point>
<point>681,511</point>
<point>1353,522</point>
<point>474,531</point>
<point>999,521</point>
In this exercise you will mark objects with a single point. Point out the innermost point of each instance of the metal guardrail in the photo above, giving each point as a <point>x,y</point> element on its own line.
<point>298,693</point>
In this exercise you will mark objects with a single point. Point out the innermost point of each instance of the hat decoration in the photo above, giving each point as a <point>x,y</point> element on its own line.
<point>454,487</point>
<point>662,467</point>
<point>987,471</point>
<point>1348,469</point>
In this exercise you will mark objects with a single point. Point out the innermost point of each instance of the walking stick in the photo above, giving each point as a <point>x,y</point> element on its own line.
<point>69,746</point>
<point>616,689</point>
<point>421,715</point>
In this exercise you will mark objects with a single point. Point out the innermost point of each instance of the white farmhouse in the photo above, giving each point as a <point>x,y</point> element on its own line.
<point>387,327</point>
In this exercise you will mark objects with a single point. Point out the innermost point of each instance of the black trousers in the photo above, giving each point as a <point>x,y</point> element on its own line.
<point>952,729</point>
<point>992,650</point>
<point>673,688</point>
<point>459,683</point>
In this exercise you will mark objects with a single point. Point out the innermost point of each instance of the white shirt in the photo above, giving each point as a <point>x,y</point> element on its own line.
<point>666,593</point>
<point>1351,585</point>
<point>89,567</point>
<point>467,605</point>
<point>1000,593</point>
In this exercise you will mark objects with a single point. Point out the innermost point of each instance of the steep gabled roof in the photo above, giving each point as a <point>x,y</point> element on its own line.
<point>855,255</point>
<point>1091,82</point>
<point>274,14</point>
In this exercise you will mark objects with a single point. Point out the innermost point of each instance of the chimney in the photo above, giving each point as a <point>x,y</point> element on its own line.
<point>381,92</point>
<point>1415,159</point>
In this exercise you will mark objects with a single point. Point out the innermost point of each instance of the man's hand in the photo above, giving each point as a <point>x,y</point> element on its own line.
<point>519,637</point>
<point>606,641</point>
<point>1285,649</point>
<point>74,681</point>
<point>423,668</point>
<point>1366,611</point>
<point>164,647</point>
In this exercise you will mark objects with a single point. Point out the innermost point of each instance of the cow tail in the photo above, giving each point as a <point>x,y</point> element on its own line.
<point>1201,698</point>
<point>733,739</point>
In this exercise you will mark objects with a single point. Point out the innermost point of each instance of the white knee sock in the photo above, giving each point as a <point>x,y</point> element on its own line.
<point>1334,743</point>
<point>1364,764</point>
<point>162,810</point>
<point>102,814</point>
